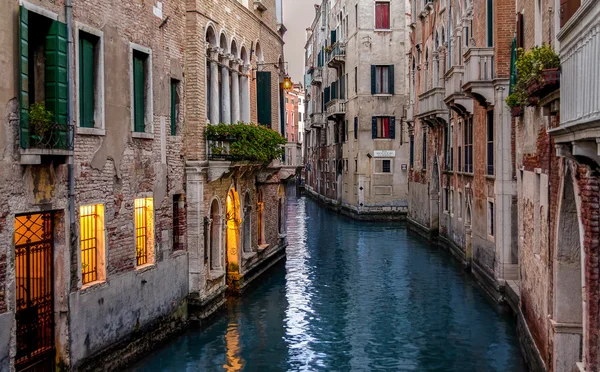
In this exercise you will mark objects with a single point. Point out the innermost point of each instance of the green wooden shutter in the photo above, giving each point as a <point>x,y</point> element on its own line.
<point>56,80</point>
<point>374,127</point>
<point>333,37</point>
<point>513,65</point>
<point>263,97</point>
<point>138,92</point>
<point>373,80</point>
<point>173,107</point>
<point>392,128</point>
<point>24,76</point>
<point>86,81</point>
<point>391,78</point>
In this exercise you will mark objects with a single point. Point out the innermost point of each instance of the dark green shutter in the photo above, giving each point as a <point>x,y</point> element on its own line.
<point>86,81</point>
<point>333,37</point>
<point>490,23</point>
<point>374,126</point>
<point>24,75</point>
<point>513,65</point>
<point>373,80</point>
<point>138,92</point>
<point>391,78</point>
<point>263,97</point>
<point>173,107</point>
<point>56,79</point>
<point>392,128</point>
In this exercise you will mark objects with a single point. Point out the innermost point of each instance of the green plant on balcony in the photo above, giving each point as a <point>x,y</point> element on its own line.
<point>40,122</point>
<point>535,68</point>
<point>247,141</point>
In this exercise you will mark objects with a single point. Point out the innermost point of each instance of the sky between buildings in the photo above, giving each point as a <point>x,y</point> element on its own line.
<point>297,16</point>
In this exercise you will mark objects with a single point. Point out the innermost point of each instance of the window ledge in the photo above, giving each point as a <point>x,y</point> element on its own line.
<point>177,253</point>
<point>90,131</point>
<point>145,267</point>
<point>383,95</point>
<point>89,287</point>
<point>490,176</point>
<point>262,247</point>
<point>382,30</point>
<point>142,135</point>
<point>216,274</point>
<point>383,139</point>
<point>248,255</point>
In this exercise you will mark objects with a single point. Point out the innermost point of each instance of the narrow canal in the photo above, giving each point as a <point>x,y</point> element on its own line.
<point>352,296</point>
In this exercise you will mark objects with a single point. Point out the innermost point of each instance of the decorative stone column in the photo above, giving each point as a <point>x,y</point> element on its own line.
<point>442,66</point>
<point>436,69</point>
<point>235,91</point>
<point>245,94</point>
<point>225,92</point>
<point>214,85</point>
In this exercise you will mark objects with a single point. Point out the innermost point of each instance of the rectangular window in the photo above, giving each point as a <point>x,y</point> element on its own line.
<point>356,127</point>
<point>382,15</point>
<point>424,153</point>
<point>356,16</point>
<point>383,127</point>
<point>174,106</point>
<point>490,142</point>
<point>144,231</point>
<point>460,204</point>
<point>386,166</point>
<point>382,79</point>
<point>451,202</point>
<point>412,151</point>
<point>178,222</point>
<point>468,145</point>
<point>491,218</point>
<point>88,71</point>
<point>91,232</point>
<point>356,80</point>
<point>140,98</point>
<point>490,23</point>
<point>446,199</point>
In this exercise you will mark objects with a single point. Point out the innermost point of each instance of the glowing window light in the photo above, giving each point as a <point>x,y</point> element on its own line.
<point>91,232</point>
<point>144,231</point>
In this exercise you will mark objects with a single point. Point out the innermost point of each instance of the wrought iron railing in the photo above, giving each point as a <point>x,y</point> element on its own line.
<point>51,136</point>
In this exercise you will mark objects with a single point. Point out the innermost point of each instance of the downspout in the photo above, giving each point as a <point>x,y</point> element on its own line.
<point>70,165</point>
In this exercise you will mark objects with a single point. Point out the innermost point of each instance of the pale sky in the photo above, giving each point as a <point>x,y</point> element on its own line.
<point>297,16</point>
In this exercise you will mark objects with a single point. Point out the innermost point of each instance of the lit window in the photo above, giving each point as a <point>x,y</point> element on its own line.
<point>91,226</point>
<point>382,15</point>
<point>144,231</point>
<point>178,221</point>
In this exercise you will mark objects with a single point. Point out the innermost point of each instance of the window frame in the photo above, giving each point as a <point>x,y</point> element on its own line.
<point>148,132</point>
<point>100,246</point>
<point>99,128</point>
<point>149,227</point>
<point>389,20</point>
<point>174,106</point>
<point>491,219</point>
<point>379,79</point>
<point>389,124</point>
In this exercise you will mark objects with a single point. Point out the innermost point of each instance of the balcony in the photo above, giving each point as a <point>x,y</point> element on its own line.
<point>260,5</point>
<point>456,98</point>
<point>47,142</point>
<point>316,120</point>
<point>336,58</point>
<point>410,113</point>
<point>432,108</point>
<point>578,135</point>
<point>317,76</point>
<point>479,75</point>
<point>336,108</point>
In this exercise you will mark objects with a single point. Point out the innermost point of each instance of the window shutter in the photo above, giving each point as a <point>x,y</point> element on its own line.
<point>56,78</point>
<point>24,76</point>
<point>520,30</point>
<point>374,126</point>
<point>333,37</point>
<point>356,127</point>
<point>567,9</point>
<point>373,80</point>
<point>138,94</point>
<point>391,78</point>
<point>263,97</point>
<point>392,128</point>
<point>490,24</point>
<point>173,107</point>
<point>86,82</point>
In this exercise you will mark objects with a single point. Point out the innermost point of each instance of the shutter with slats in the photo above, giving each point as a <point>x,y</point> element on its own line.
<point>24,76</point>
<point>373,79</point>
<point>520,29</point>
<point>56,79</point>
<point>333,37</point>
<point>392,128</point>
<point>391,78</point>
<point>263,97</point>
<point>374,127</point>
<point>86,82</point>
<point>138,92</point>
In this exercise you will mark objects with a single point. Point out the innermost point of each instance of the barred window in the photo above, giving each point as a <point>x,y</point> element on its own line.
<point>91,226</point>
<point>144,231</point>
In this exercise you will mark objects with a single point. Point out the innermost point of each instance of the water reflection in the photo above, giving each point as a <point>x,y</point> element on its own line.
<point>352,296</point>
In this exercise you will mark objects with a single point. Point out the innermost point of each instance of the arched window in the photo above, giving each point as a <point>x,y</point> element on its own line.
<point>211,73</point>
<point>215,236</point>
<point>260,206</point>
<point>247,224</point>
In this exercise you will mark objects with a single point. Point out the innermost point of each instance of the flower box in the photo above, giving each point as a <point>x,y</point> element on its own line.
<point>548,81</point>
<point>516,112</point>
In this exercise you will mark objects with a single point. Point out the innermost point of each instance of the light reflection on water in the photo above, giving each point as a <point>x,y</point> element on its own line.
<point>352,296</point>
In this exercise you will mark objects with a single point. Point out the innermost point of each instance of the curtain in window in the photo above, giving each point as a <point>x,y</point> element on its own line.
<point>382,80</point>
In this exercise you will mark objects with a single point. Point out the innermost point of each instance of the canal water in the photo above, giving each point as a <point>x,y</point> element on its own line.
<point>352,296</point>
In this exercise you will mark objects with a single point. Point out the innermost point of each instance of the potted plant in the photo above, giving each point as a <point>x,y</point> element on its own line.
<point>40,123</point>
<point>516,101</point>
<point>538,69</point>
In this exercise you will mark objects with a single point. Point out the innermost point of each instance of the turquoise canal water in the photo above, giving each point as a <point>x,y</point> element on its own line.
<point>352,296</point>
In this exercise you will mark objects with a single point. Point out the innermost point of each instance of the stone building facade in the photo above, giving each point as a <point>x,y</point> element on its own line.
<point>357,147</point>
<point>294,101</point>
<point>92,215</point>
<point>236,215</point>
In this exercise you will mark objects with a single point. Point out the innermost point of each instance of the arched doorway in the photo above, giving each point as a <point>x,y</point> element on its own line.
<point>568,302</point>
<point>233,220</point>
<point>247,224</point>
<point>215,236</point>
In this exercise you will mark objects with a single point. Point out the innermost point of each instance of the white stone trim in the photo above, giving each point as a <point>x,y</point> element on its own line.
<point>375,16</point>
<point>99,108</point>
<point>38,10</point>
<point>149,114</point>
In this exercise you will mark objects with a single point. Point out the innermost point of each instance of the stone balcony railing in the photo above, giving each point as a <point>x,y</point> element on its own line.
<point>317,76</point>
<point>578,135</point>
<point>410,113</point>
<point>335,108</point>
<point>479,74</point>
<point>455,96</point>
<point>432,107</point>
<point>337,55</point>
<point>317,120</point>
